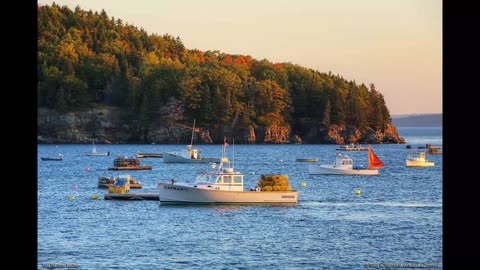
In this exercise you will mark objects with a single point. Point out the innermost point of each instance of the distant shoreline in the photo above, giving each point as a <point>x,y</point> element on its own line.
<point>418,120</point>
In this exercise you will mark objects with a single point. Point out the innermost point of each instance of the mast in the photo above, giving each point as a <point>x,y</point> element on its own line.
<point>224,147</point>
<point>193,131</point>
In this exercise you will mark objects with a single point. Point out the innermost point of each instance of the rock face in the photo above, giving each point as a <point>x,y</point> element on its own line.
<point>106,125</point>
<point>103,123</point>
<point>388,134</point>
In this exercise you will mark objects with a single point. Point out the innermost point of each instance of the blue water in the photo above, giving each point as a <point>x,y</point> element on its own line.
<point>421,135</point>
<point>397,219</point>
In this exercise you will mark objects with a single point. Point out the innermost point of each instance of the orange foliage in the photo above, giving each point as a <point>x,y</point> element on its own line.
<point>279,67</point>
<point>227,59</point>
<point>200,56</point>
<point>244,60</point>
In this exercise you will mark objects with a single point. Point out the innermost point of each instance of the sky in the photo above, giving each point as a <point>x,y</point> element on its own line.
<point>394,44</point>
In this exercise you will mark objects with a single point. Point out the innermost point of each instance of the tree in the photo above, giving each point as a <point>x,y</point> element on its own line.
<point>88,56</point>
<point>326,113</point>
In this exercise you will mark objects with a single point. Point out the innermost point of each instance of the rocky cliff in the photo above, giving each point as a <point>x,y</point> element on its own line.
<point>106,125</point>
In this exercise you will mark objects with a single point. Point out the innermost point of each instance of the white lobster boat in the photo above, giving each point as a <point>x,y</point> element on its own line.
<point>95,153</point>
<point>418,160</point>
<point>343,165</point>
<point>189,155</point>
<point>221,186</point>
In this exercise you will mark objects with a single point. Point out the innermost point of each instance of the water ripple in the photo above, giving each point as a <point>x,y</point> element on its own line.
<point>397,218</point>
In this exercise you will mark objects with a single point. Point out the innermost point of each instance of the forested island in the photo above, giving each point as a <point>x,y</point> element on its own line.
<point>418,120</point>
<point>99,77</point>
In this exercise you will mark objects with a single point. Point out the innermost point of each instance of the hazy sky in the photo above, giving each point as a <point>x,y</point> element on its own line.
<point>395,44</point>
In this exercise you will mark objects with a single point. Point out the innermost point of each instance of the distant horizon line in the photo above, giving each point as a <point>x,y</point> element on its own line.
<point>414,114</point>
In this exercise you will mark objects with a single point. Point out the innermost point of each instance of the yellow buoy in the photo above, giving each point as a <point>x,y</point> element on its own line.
<point>304,184</point>
<point>71,198</point>
<point>95,196</point>
<point>357,192</point>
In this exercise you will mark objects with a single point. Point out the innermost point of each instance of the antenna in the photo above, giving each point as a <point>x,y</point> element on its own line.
<point>233,149</point>
<point>224,147</point>
<point>193,131</point>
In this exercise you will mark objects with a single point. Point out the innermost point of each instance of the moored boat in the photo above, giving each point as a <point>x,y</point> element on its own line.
<point>415,159</point>
<point>352,147</point>
<point>435,150</point>
<point>190,154</point>
<point>124,163</point>
<point>106,182</point>
<point>307,159</point>
<point>149,155</point>
<point>120,186</point>
<point>343,165</point>
<point>222,186</point>
<point>60,158</point>
<point>95,153</point>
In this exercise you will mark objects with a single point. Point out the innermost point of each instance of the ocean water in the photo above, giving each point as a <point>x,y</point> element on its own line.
<point>397,218</point>
<point>417,136</point>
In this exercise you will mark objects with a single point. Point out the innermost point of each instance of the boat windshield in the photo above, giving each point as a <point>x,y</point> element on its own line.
<point>204,177</point>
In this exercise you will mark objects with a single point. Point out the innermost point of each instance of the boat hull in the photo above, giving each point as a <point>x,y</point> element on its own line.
<point>307,159</point>
<point>174,158</point>
<point>178,194</point>
<point>331,169</point>
<point>132,168</point>
<point>111,185</point>
<point>149,155</point>
<point>51,159</point>
<point>417,163</point>
<point>352,149</point>
<point>97,154</point>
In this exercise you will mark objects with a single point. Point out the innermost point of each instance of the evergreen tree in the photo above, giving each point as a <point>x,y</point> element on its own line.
<point>86,56</point>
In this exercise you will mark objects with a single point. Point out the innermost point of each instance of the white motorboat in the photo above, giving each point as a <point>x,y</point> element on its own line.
<point>189,155</point>
<point>343,165</point>
<point>415,159</point>
<point>221,186</point>
<point>95,153</point>
<point>60,158</point>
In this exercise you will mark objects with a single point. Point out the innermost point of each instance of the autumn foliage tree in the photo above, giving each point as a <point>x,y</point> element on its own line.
<point>85,57</point>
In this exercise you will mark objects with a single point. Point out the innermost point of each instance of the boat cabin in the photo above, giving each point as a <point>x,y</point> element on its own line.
<point>224,179</point>
<point>193,153</point>
<point>341,161</point>
<point>416,156</point>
